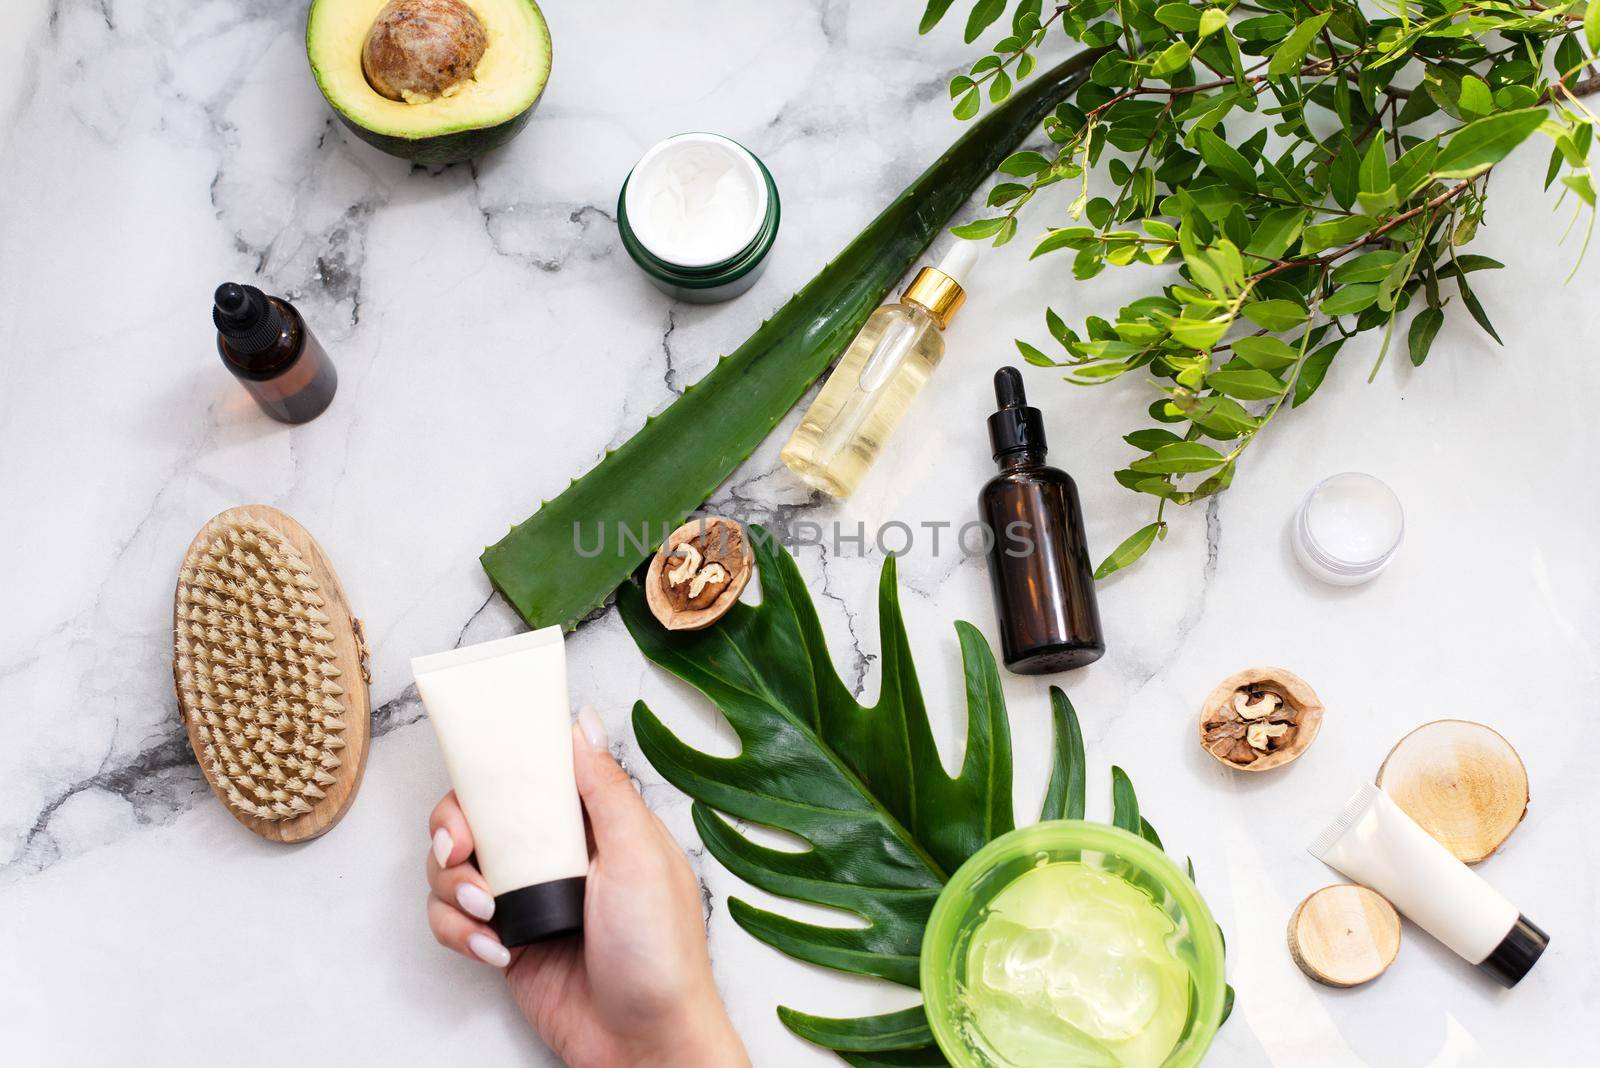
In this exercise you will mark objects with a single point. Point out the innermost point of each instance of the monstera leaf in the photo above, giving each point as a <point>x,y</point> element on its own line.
<point>863,787</point>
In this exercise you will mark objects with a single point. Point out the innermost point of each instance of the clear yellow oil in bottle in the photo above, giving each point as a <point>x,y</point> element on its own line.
<point>865,398</point>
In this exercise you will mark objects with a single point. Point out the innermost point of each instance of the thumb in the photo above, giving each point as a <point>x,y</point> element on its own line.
<point>617,814</point>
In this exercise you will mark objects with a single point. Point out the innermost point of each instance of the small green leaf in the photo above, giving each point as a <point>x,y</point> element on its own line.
<point>1267,353</point>
<point>1314,370</point>
<point>1344,176</point>
<point>1273,315</point>
<point>1245,384</point>
<point>1481,144</point>
<point>1133,547</point>
<point>1371,267</point>
<point>1277,230</point>
<point>1591,27</point>
<point>1175,58</point>
<point>1179,458</point>
<point>1350,299</point>
<point>979,228</point>
<point>1375,167</point>
<point>1470,299</point>
<point>1180,17</point>
<point>999,87</point>
<point>1423,330</point>
<point>1033,355</point>
<point>933,13</point>
<point>1152,439</point>
<point>1025,163</point>
<point>984,12</point>
<point>1334,232</point>
<point>968,105</point>
<point>1066,237</point>
<point>1474,98</point>
<point>1289,55</point>
<point>1198,333</point>
<point>1212,20</point>
<point>1226,161</point>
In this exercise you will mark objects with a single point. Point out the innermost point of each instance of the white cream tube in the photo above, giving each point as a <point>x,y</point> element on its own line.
<point>499,710</point>
<point>1377,845</point>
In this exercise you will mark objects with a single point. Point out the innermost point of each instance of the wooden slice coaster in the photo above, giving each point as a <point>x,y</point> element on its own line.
<point>1462,782</point>
<point>1344,935</point>
<point>270,668</point>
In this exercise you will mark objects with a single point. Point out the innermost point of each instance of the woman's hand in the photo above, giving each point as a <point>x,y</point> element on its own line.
<point>635,988</point>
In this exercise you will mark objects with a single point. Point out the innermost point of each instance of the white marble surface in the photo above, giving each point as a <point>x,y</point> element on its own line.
<point>492,340</point>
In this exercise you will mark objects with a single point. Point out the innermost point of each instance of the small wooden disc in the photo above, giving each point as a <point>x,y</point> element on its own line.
<point>1344,935</point>
<point>349,648</point>
<point>1462,782</point>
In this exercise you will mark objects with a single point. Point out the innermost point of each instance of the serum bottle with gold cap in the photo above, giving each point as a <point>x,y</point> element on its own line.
<point>878,377</point>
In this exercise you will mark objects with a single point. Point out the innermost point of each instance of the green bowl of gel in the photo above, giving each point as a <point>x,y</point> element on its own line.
<point>1076,945</point>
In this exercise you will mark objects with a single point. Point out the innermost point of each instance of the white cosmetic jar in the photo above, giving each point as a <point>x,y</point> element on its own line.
<point>699,213</point>
<point>1348,528</point>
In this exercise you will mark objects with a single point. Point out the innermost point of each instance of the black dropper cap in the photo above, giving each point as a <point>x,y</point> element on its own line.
<point>1015,426</point>
<point>245,316</point>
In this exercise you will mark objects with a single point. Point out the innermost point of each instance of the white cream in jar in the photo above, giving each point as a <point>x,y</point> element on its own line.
<point>697,199</point>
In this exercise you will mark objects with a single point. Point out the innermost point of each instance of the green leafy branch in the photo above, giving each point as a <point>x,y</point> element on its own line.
<point>1210,122</point>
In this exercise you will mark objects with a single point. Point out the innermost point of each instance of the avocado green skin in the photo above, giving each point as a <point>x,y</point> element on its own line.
<point>455,147</point>
<point>441,149</point>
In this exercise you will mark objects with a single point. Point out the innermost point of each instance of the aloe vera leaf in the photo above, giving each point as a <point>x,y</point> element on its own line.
<point>655,479</point>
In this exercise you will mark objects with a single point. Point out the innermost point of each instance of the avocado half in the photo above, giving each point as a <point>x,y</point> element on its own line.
<point>484,112</point>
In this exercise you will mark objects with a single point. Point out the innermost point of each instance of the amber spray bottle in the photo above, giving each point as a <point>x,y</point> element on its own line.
<point>1038,556</point>
<point>269,348</point>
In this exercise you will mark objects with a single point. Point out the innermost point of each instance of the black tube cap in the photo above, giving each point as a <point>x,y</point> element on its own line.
<point>1517,952</point>
<point>1015,426</point>
<point>538,912</point>
<point>245,316</point>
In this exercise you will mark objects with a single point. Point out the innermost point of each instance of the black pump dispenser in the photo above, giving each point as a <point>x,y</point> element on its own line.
<point>1015,425</point>
<point>1038,557</point>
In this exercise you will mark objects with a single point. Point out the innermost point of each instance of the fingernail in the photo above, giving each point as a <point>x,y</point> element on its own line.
<point>489,951</point>
<point>474,901</point>
<point>442,845</point>
<point>593,729</point>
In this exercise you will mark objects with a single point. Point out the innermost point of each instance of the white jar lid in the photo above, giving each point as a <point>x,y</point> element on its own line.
<point>696,200</point>
<point>1348,528</point>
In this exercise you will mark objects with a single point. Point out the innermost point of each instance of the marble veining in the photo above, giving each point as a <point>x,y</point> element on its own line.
<point>493,341</point>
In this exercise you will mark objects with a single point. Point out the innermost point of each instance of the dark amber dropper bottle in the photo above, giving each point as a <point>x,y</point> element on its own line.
<point>269,348</point>
<point>1038,556</point>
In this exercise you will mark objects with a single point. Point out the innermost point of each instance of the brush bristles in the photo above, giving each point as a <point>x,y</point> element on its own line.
<point>256,673</point>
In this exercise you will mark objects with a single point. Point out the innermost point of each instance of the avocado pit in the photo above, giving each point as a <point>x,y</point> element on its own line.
<point>420,50</point>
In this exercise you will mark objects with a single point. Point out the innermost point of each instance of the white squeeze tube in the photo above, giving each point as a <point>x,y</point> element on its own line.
<point>1377,845</point>
<point>499,710</point>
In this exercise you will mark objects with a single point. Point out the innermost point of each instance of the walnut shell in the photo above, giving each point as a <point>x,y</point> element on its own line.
<point>683,586</point>
<point>1225,733</point>
<point>418,50</point>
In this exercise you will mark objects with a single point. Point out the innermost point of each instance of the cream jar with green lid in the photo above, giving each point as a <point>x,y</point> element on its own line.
<point>699,213</point>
